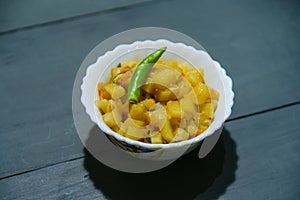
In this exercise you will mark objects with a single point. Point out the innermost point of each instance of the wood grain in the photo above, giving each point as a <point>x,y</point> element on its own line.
<point>256,42</point>
<point>19,14</point>
<point>256,158</point>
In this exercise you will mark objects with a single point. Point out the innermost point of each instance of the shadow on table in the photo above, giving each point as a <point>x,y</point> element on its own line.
<point>186,178</point>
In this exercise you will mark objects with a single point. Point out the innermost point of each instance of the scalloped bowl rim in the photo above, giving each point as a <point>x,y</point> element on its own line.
<point>95,115</point>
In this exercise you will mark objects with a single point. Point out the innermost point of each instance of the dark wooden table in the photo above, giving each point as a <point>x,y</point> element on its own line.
<point>42,44</point>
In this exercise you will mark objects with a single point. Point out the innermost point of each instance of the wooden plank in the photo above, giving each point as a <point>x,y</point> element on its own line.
<point>255,159</point>
<point>267,146</point>
<point>38,67</point>
<point>87,178</point>
<point>61,179</point>
<point>16,14</point>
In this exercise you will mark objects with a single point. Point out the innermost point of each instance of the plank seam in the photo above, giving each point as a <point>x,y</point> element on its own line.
<point>42,167</point>
<point>76,17</point>
<point>86,156</point>
<point>264,111</point>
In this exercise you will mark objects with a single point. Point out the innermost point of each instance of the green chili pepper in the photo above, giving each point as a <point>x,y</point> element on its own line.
<point>140,73</point>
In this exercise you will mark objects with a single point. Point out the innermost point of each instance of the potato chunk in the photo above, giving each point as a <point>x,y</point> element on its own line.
<point>192,129</point>
<point>187,105</point>
<point>167,131</point>
<point>156,138</point>
<point>164,95</point>
<point>103,105</point>
<point>184,87</point>
<point>108,118</point>
<point>118,92</point>
<point>138,112</point>
<point>109,88</point>
<point>158,116</point>
<point>207,110</point>
<point>202,92</point>
<point>174,109</point>
<point>194,77</point>
<point>148,103</point>
<point>165,76</point>
<point>103,94</point>
<point>184,67</point>
<point>134,129</point>
<point>180,135</point>
<point>136,133</point>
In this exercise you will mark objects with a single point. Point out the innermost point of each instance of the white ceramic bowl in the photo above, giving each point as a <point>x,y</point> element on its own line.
<point>215,76</point>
